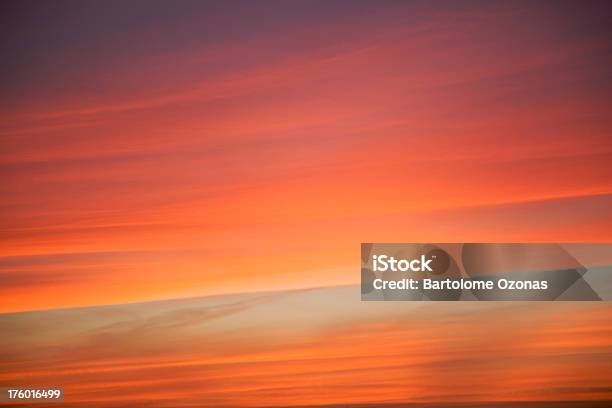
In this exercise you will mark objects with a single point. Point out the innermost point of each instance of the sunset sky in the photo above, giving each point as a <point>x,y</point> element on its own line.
<point>155,150</point>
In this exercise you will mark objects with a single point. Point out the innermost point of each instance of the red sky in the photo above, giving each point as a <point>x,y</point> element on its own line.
<point>213,152</point>
<point>159,151</point>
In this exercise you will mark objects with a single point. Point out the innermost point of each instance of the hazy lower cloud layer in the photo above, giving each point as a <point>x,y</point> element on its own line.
<point>316,347</point>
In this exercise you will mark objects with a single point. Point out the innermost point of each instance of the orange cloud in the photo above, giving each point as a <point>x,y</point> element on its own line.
<point>310,348</point>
